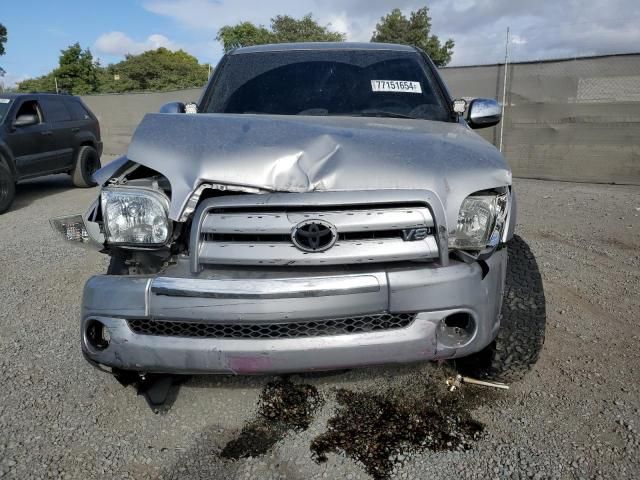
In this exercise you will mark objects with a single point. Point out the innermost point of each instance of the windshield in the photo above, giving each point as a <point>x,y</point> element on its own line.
<point>5,103</point>
<point>373,83</point>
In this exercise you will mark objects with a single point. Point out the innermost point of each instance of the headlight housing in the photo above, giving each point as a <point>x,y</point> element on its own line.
<point>481,221</point>
<point>135,217</point>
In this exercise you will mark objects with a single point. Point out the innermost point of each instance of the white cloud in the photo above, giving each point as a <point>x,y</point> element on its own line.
<point>517,40</point>
<point>191,13</point>
<point>340,22</point>
<point>118,43</point>
<point>543,29</point>
<point>211,15</point>
<point>205,17</point>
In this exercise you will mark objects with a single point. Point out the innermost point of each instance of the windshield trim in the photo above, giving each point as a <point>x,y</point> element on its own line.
<point>441,87</point>
<point>284,47</point>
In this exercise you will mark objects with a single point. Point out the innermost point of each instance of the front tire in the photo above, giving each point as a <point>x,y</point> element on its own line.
<point>86,163</point>
<point>520,338</point>
<point>7,188</point>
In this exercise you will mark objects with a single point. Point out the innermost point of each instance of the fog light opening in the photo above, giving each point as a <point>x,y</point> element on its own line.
<point>97,335</point>
<point>458,321</point>
<point>457,329</point>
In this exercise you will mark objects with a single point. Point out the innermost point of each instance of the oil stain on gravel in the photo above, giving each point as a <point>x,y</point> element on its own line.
<point>380,431</point>
<point>283,406</point>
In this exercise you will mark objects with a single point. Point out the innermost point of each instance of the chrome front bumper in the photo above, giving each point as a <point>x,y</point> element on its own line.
<point>278,296</point>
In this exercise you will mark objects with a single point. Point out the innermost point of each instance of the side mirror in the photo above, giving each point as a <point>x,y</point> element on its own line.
<point>26,120</point>
<point>173,107</point>
<point>483,113</point>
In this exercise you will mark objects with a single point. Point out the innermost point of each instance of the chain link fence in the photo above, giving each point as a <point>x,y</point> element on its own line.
<point>575,119</point>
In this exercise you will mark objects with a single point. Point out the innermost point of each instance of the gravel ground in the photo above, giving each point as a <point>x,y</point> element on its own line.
<point>575,416</point>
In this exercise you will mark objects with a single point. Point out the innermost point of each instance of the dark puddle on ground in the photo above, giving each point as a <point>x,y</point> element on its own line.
<point>381,431</point>
<point>283,406</point>
<point>377,430</point>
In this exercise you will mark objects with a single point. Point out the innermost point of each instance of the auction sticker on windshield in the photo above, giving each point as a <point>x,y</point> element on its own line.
<point>400,86</point>
<point>5,100</point>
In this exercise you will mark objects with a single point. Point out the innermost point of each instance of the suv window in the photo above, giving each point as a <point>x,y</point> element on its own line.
<point>30,107</point>
<point>55,111</point>
<point>78,110</point>
<point>328,82</point>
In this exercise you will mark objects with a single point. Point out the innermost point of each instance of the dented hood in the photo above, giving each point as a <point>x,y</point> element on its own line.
<point>304,154</point>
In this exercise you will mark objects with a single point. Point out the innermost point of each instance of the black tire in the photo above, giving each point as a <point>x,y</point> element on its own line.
<point>86,163</point>
<point>7,188</point>
<point>520,338</point>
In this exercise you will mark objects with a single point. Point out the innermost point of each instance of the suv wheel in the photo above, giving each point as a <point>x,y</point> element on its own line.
<point>7,188</point>
<point>519,341</point>
<point>87,162</point>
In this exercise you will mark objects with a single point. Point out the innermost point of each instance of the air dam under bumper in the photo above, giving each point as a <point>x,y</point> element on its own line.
<point>433,293</point>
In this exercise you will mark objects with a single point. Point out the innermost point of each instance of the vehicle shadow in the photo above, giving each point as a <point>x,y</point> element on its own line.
<point>334,379</point>
<point>329,379</point>
<point>29,191</point>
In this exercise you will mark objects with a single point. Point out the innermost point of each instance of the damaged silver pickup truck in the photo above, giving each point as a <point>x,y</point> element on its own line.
<point>322,206</point>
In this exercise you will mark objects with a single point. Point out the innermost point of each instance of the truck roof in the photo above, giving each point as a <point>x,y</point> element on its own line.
<point>284,47</point>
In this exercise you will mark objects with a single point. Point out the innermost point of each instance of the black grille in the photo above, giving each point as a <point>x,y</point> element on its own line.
<point>281,238</point>
<point>313,328</point>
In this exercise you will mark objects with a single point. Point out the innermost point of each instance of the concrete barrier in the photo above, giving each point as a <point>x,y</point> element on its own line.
<point>120,114</point>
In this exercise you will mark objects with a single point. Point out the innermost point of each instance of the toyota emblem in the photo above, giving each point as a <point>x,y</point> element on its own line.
<point>314,235</point>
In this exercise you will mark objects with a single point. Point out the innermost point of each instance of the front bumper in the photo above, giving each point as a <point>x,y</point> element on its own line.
<point>213,295</point>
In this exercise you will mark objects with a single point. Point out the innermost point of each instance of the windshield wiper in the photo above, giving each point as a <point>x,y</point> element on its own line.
<point>383,113</point>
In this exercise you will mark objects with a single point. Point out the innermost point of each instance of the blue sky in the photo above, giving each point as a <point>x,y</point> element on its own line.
<point>111,28</point>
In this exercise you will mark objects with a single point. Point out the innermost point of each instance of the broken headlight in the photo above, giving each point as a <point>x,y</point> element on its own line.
<point>481,222</point>
<point>135,216</point>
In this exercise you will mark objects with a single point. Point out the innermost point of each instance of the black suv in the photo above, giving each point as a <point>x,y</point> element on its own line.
<point>41,134</point>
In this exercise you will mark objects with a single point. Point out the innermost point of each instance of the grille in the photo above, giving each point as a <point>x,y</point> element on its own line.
<point>249,235</point>
<point>314,328</point>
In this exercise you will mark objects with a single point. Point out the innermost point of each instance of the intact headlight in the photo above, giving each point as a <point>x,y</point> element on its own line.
<point>135,216</point>
<point>480,222</point>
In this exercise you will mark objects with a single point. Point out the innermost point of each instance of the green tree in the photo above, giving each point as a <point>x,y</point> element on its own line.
<point>154,70</point>
<point>3,40</point>
<point>243,34</point>
<point>288,29</point>
<point>283,29</point>
<point>77,73</point>
<point>415,30</point>
<point>45,83</point>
